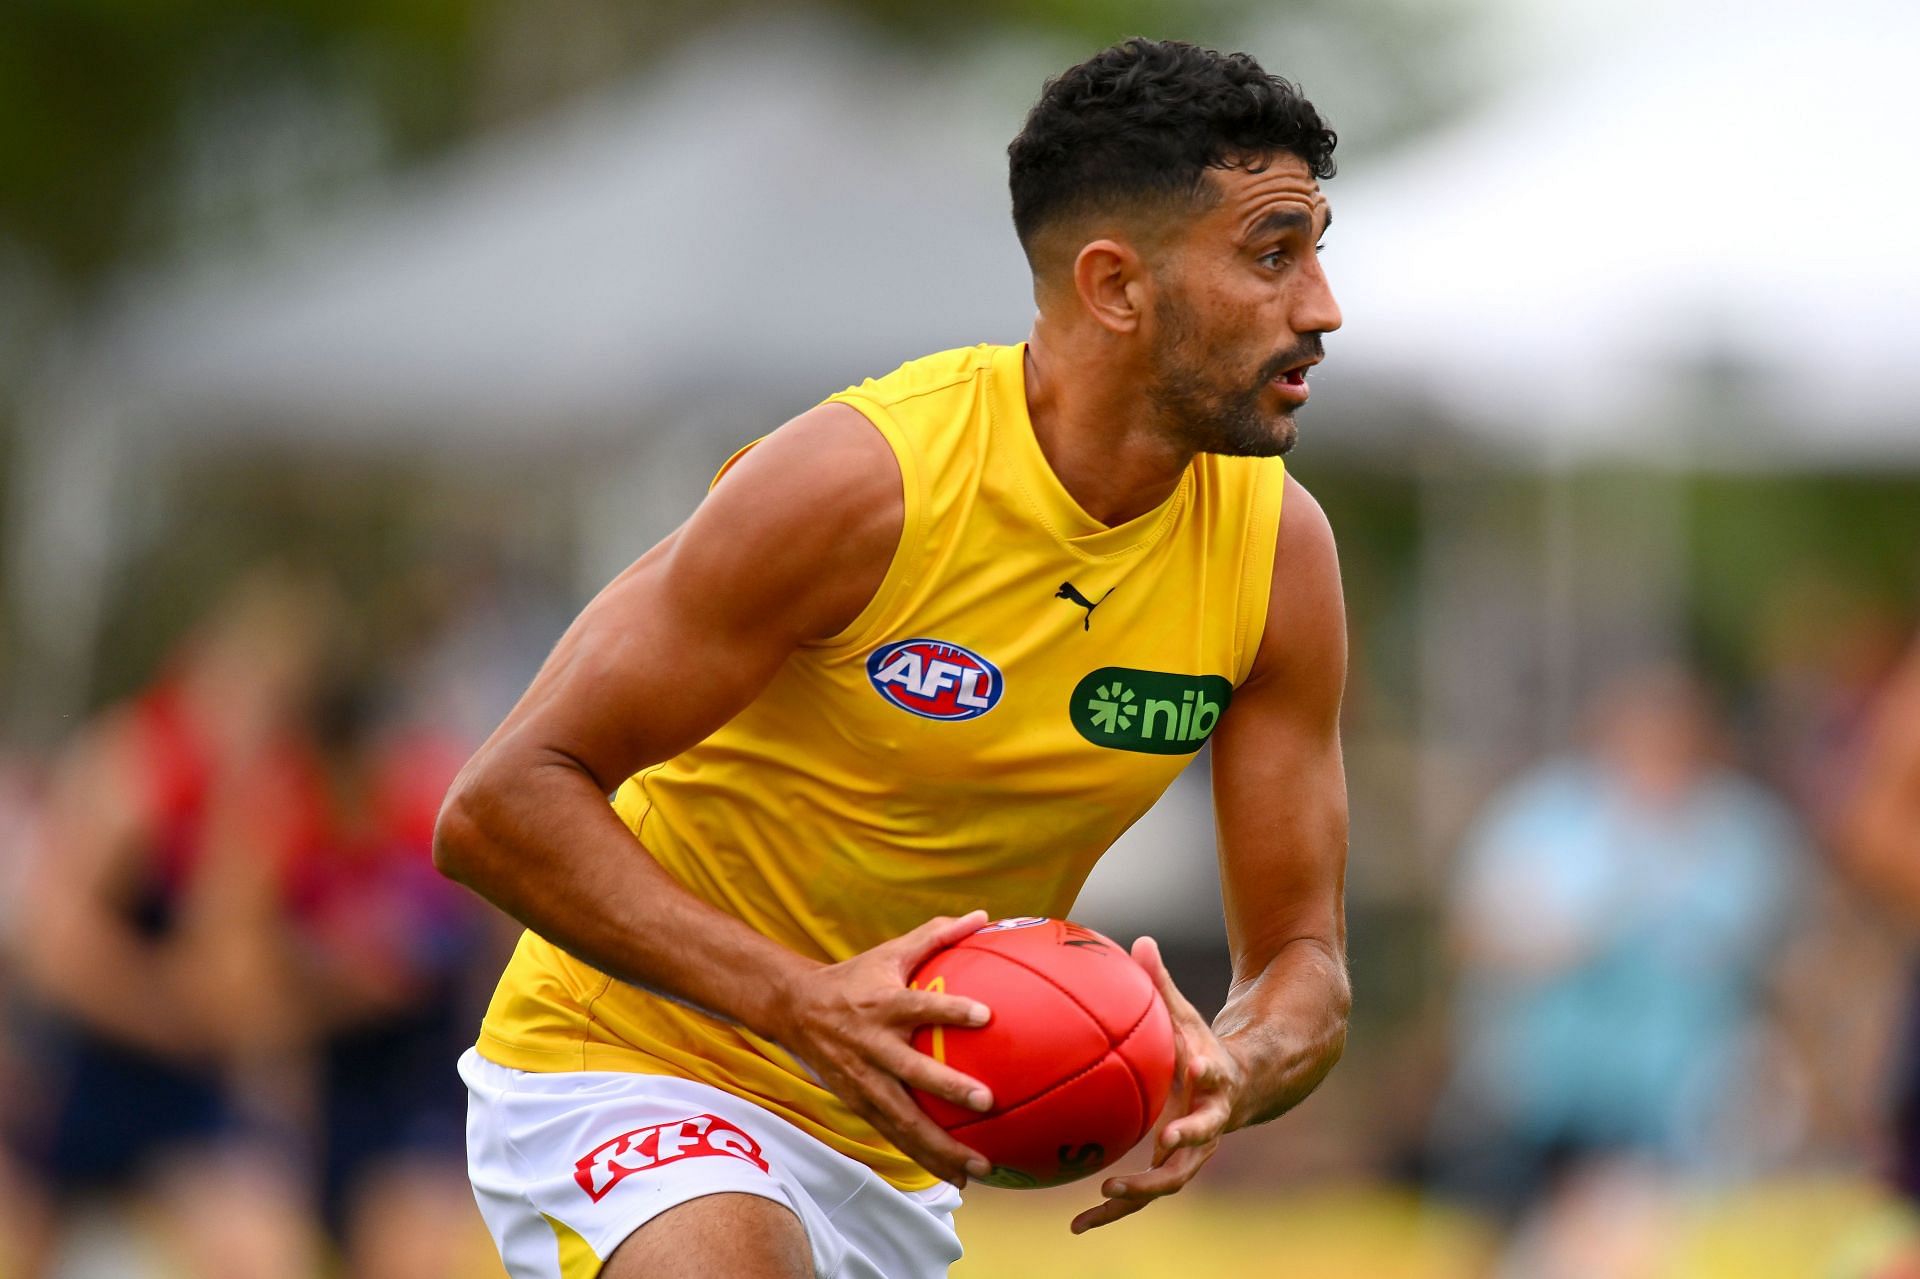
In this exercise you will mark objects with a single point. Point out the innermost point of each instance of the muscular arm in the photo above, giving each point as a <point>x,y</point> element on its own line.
<point>1280,798</point>
<point>1879,834</point>
<point>789,547</point>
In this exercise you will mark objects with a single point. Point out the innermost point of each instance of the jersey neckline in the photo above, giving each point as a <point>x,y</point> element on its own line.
<point>1049,499</point>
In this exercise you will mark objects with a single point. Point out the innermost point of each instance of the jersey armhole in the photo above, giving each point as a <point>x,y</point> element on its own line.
<point>899,573</point>
<point>905,564</point>
<point>1256,583</point>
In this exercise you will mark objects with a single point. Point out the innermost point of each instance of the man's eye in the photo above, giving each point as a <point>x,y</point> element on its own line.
<point>1320,247</point>
<point>1274,259</point>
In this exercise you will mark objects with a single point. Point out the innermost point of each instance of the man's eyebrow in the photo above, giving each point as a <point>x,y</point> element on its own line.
<point>1283,222</point>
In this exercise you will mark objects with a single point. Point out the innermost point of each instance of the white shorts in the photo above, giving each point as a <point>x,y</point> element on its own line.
<point>566,1165</point>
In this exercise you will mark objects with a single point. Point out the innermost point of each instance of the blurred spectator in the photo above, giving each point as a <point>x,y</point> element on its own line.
<point>1880,828</point>
<point>252,981</point>
<point>1879,844</point>
<point>21,1213</point>
<point>389,948</point>
<point>148,932</point>
<point>1824,652</point>
<point>1824,646</point>
<point>1615,913</point>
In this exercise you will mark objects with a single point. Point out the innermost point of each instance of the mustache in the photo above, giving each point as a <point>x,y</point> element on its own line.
<point>1309,347</point>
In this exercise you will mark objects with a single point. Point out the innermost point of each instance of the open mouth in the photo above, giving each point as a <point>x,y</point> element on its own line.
<point>1292,383</point>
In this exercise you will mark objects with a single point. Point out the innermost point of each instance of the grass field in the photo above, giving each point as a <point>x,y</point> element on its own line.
<point>1808,1229</point>
<point>1840,1228</point>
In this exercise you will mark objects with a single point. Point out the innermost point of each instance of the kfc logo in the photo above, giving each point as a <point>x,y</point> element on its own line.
<point>607,1164</point>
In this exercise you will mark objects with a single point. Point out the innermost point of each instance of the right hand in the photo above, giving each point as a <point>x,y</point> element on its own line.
<point>853,1023</point>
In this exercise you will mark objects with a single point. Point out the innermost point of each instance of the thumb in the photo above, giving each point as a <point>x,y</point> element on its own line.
<point>935,934</point>
<point>1146,953</point>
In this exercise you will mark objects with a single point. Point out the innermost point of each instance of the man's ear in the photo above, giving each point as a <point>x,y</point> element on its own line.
<point>1111,281</point>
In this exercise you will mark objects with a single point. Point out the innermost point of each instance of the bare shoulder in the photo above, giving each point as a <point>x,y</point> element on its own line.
<point>1304,643</point>
<point>813,512</point>
<point>829,455</point>
<point>1304,545</point>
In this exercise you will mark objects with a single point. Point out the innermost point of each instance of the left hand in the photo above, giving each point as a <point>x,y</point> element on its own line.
<point>1207,1081</point>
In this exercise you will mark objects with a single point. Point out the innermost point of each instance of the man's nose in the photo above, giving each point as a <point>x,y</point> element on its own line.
<point>1317,312</point>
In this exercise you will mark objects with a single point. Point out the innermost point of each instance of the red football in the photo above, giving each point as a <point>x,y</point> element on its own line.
<point>1079,1053</point>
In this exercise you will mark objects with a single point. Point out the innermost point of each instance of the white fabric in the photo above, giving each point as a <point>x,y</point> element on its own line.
<point>604,1152</point>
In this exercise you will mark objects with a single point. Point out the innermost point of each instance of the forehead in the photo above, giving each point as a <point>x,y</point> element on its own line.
<point>1283,185</point>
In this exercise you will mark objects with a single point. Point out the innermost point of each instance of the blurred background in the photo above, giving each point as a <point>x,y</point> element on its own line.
<point>347,348</point>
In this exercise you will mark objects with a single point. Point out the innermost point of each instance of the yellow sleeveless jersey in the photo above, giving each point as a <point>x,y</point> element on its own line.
<point>1023,686</point>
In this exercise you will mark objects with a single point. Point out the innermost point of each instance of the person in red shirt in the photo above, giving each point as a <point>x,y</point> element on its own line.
<point>387,952</point>
<point>149,937</point>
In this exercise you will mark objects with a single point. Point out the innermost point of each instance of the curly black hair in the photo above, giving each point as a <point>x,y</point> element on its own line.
<point>1140,124</point>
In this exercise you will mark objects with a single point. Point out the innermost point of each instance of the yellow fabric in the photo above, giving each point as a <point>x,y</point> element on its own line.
<point>577,1258</point>
<point>831,818</point>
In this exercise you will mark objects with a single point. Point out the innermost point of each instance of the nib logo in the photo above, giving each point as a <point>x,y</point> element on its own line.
<point>1112,708</point>
<point>1150,712</point>
<point>612,1162</point>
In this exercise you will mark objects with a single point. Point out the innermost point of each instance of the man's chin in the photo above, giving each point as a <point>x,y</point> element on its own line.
<point>1273,438</point>
<point>1286,433</point>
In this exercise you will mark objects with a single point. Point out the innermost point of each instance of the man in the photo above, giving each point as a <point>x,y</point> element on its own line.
<point>151,936</point>
<point>1616,913</point>
<point>887,672</point>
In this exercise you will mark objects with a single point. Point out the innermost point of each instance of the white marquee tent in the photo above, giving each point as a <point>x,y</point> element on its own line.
<point>1731,190</point>
<point>1553,273</point>
<point>772,211</point>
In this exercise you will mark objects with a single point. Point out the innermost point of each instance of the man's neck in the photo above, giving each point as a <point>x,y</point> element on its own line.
<point>1096,433</point>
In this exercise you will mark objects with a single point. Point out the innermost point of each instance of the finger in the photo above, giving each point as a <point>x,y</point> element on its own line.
<point>931,1008</point>
<point>1165,1179</point>
<point>1201,1087</point>
<point>1182,1077</point>
<point>918,1070</point>
<point>1205,1071</point>
<point>907,1126</point>
<point>1205,1122</point>
<point>930,1145</point>
<point>1107,1213</point>
<point>947,1160</point>
<point>1181,1099</point>
<point>1146,953</point>
<point>1130,1194</point>
<point>940,931</point>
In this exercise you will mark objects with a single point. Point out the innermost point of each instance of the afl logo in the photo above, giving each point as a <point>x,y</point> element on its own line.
<point>934,679</point>
<point>1018,921</point>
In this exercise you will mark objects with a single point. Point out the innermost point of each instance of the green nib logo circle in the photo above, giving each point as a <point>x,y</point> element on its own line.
<point>1149,712</point>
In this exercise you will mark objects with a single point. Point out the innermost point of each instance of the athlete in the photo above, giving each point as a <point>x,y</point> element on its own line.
<point>916,661</point>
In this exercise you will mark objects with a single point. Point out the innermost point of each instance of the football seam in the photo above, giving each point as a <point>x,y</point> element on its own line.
<point>1058,1084</point>
<point>1093,1017</point>
<point>1139,1085</point>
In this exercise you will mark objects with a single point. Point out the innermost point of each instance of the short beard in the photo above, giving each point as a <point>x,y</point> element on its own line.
<point>1204,417</point>
<point>1209,420</point>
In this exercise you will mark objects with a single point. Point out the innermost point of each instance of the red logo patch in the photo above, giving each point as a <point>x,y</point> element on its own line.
<point>611,1162</point>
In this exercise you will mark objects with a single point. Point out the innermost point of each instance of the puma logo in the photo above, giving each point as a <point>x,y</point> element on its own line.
<point>1067,592</point>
